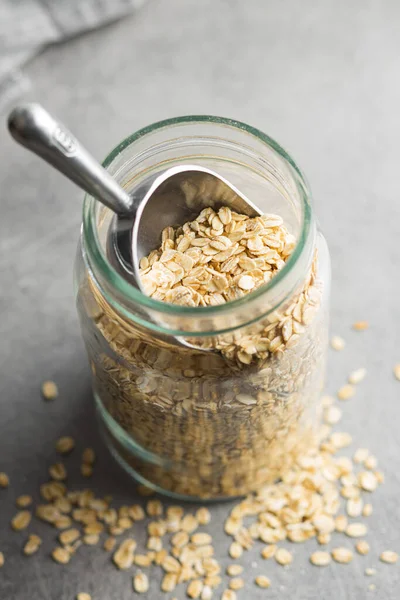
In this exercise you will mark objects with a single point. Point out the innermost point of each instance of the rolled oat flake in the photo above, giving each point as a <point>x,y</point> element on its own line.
<point>390,557</point>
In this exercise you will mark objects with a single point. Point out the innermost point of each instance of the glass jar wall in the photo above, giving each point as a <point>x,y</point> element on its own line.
<point>230,414</point>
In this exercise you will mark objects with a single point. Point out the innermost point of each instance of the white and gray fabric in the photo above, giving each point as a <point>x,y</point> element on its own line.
<point>27,26</point>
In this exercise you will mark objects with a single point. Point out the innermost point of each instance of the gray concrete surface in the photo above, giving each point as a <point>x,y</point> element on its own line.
<point>320,77</point>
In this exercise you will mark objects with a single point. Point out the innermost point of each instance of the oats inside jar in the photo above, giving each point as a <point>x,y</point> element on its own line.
<point>226,421</point>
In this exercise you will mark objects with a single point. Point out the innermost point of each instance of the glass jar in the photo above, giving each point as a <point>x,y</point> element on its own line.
<point>233,412</point>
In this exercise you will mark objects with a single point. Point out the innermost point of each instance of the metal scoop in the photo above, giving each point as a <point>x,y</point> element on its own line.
<point>169,197</point>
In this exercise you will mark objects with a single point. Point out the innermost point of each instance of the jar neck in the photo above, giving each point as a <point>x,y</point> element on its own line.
<point>257,166</point>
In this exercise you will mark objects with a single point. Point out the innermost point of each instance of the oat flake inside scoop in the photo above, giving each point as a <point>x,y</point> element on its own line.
<point>199,264</point>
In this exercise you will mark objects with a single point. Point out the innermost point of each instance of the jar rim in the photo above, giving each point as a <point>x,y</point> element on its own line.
<point>100,263</point>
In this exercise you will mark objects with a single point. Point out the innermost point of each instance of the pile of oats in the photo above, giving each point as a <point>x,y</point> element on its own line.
<point>175,543</point>
<point>231,419</point>
<point>319,495</point>
<point>216,258</point>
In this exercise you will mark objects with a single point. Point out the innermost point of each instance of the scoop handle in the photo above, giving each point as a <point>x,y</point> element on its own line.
<point>33,127</point>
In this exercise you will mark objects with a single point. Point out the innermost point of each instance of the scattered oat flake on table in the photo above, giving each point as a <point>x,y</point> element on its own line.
<point>322,538</point>
<point>51,490</point>
<point>283,557</point>
<point>47,512</point>
<point>235,550</point>
<point>194,588</point>
<point>348,479</point>
<point>244,538</point>
<point>346,392</point>
<point>324,523</point>
<point>236,583</point>
<point>234,570</point>
<point>1,559</point>
<point>69,536</point>
<point>142,560</point>
<point>360,325</point>
<point>61,555</point>
<point>21,520</point>
<point>360,455</point>
<point>368,481</point>
<point>356,530</point>
<point>65,444</point>
<point>109,544</point>
<point>189,523</point>
<point>127,523</point>
<point>24,501</point>
<point>58,472</point>
<point>153,543</point>
<point>388,556</point>
<point>86,470</point>
<point>269,551</point>
<point>201,539</point>
<point>137,513</point>
<point>63,522</point>
<point>124,555</point>
<point>32,545</point>
<point>88,456</point>
<point>371,462</point>
<point>169,582</point>
<point>354,507</point>
<point>154,508</point>
<point>212,580</point>
<point>4,480</point>
<point>207,593</point>
<point>396,371</point>
<point>345,465</point>
<point>228,595</point>
<point>362,547</point>
<point>91,539</point>
<point>141,583</point>
<point>367,510</point>
<point>203,515</point>
<point>357,376</point>
<point>171,564</point>
<point>320,559</point>
<point>177,512</point>
<point>49,390</point>
<point>83,596</point>
<point>370,571</point>
<point>337,342</point>
<point>332,415</point>
<point>232,526</point>
<point>342,555</point>
<point>350,491</point>
<point>263,581</point>
<point>341,523</point>
<point>180,539</point>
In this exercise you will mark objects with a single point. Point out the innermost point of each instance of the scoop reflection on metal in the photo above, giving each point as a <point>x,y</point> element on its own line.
<point>169,197</point>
